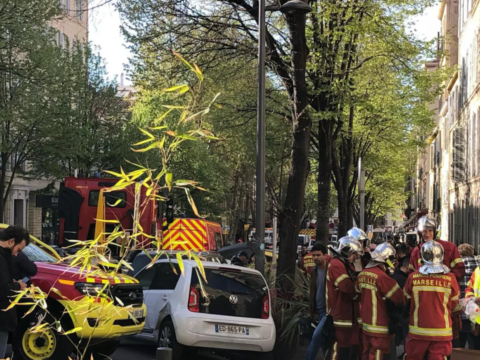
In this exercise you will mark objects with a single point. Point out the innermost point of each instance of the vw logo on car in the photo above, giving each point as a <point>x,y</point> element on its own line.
<point>233,299</point>
<point>132,296</point>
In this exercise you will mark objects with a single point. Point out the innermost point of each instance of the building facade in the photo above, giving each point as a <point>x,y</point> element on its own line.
<point>448,170</point>
<point>21,206</point>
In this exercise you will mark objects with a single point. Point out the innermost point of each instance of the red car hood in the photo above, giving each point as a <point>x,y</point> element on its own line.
<point>73,273</point>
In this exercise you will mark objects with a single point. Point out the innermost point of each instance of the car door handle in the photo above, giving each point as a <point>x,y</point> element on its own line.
<point>165,297</point>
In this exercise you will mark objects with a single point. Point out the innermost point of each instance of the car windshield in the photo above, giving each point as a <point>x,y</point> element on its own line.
<point>300,240</point>
<point>35,254</point>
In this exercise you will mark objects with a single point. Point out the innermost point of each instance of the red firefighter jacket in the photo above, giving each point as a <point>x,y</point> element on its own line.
<point>375,286</point>
<point>451,259</point>
<point>340,294</point>
<point>433,300</point>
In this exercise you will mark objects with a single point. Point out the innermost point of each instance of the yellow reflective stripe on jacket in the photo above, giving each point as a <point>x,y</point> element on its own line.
<point>455,262</point>
<point>411,267</point>
<point>432,288</point>
<point>375,328</point>
<point>368,286</point>
<point>406,295</point>
<point>342,323</point>
<point>340,279</point>
<point>455,298</point>
<point>392,291</point>
<point>476,283</point>
<point>430,332</point>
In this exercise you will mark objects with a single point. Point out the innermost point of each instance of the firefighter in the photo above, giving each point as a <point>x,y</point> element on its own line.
<point>379,294</point>
<point>360,235</point>
<point>340,295</point>
<point>433,294</point>
<point>426,228</point>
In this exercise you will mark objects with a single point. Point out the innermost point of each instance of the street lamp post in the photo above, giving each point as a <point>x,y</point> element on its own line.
<point>260,178</point>
<point>289,8</point>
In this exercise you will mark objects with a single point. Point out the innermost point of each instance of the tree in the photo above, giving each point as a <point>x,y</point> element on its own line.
<point>313,61</point>
<point>29,59</point>
<point>94,129</point>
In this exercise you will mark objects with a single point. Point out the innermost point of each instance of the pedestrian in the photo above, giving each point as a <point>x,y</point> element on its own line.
<point>12,241</point>
<point>400,275</point>
<point>241,259</point>
<point>317,305</point>
<point>377,290</point>
<point>431,295</point>
<point>23,267</point>
<point>426,229</point>
<point>341,299</point>
<point>471,263</point>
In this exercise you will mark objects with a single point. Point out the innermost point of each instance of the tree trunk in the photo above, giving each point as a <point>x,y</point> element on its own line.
<point>3,178</point>
<point>323,182</point>
<point>294,200</point>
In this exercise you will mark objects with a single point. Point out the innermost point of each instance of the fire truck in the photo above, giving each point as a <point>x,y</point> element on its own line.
<point>78,205</point>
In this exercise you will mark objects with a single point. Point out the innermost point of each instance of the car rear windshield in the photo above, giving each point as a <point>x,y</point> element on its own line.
<point>230,292</point>
<point>34,253</point>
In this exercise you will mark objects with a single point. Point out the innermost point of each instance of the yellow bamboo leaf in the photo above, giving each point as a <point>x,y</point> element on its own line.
<point>192,203</point>
<point>200,266</point>
<point>170,132</point>
<point>73,331</point>
<point>183,60</point>
<point>180,263</point>
<point>149,147</point>
<point>143,142</point>
<point>198,72</point>
<point>168,179</point>
<point>150,136</point>
<point>178,88</point>
<point>108,221</point>
<point>116,203</point>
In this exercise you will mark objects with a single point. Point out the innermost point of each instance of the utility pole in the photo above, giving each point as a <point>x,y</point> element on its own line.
<point>260,179</point>
<point>361,193</point>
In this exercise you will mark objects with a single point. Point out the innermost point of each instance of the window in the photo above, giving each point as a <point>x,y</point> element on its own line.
<point>111,198</point>
<point>67,5</point>
<point>166,277</point>
<point>60,39</point>
<point>34,253</point>
<point>218,240</point>
<point>79,9</point>
<point>14,160</point>
<point>146,276</point>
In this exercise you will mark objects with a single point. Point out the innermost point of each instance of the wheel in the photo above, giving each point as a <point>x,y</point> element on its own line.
<point>103,350</point>
<point>45,344</point>
<point>261,355</point>
<point>167,339</point>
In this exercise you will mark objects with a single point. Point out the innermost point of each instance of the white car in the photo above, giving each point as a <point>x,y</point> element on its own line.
<point>231,310</point>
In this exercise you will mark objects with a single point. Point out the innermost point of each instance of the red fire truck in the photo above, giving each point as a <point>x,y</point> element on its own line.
<point>78,202</point>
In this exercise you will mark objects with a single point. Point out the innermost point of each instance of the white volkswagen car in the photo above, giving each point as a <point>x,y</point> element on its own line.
<point>230,310</point>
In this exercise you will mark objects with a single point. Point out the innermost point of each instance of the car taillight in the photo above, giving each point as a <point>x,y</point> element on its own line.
<point>194,300</point>
<point>265,307</point>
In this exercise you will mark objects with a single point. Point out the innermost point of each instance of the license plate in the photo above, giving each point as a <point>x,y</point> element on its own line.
<point>137,314</point>
<point>232,329</point>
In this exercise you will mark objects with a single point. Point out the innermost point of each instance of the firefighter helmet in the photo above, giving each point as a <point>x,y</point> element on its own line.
<point>384,253</point>
<point>432,255</point>
<point>347,246</point>
<point>358,234</point>
<point>426,222</point>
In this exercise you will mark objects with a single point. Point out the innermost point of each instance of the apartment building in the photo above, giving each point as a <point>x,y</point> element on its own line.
<point>22,206</point>
<point>448,171</point>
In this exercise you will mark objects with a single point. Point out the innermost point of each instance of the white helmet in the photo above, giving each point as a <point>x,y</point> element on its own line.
<point>426,222</point>
<point>358,234</point>
<point>432,255</point>
<point>347,246</point>
<point>384,253</point>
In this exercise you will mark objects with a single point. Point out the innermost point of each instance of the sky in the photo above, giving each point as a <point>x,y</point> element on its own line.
<point>104,28</point>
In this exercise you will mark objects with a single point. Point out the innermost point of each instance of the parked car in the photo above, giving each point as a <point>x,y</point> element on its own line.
<point>231,310</point>
<point>142,260</point>
<point>98,326</point>
<point>231,250</point>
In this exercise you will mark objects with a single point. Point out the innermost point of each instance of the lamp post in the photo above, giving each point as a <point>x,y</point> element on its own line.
<point>289,8</point>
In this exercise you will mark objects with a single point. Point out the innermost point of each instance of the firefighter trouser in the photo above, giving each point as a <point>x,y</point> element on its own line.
<point>346,345</point>
<point>375,347</point>
<point>435,350</point>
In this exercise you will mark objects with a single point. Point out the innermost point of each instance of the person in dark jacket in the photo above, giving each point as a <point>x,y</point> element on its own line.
<point>241,259</point>
<point>12,241</point>
<point>317,303</point>
<point>23,267</point>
